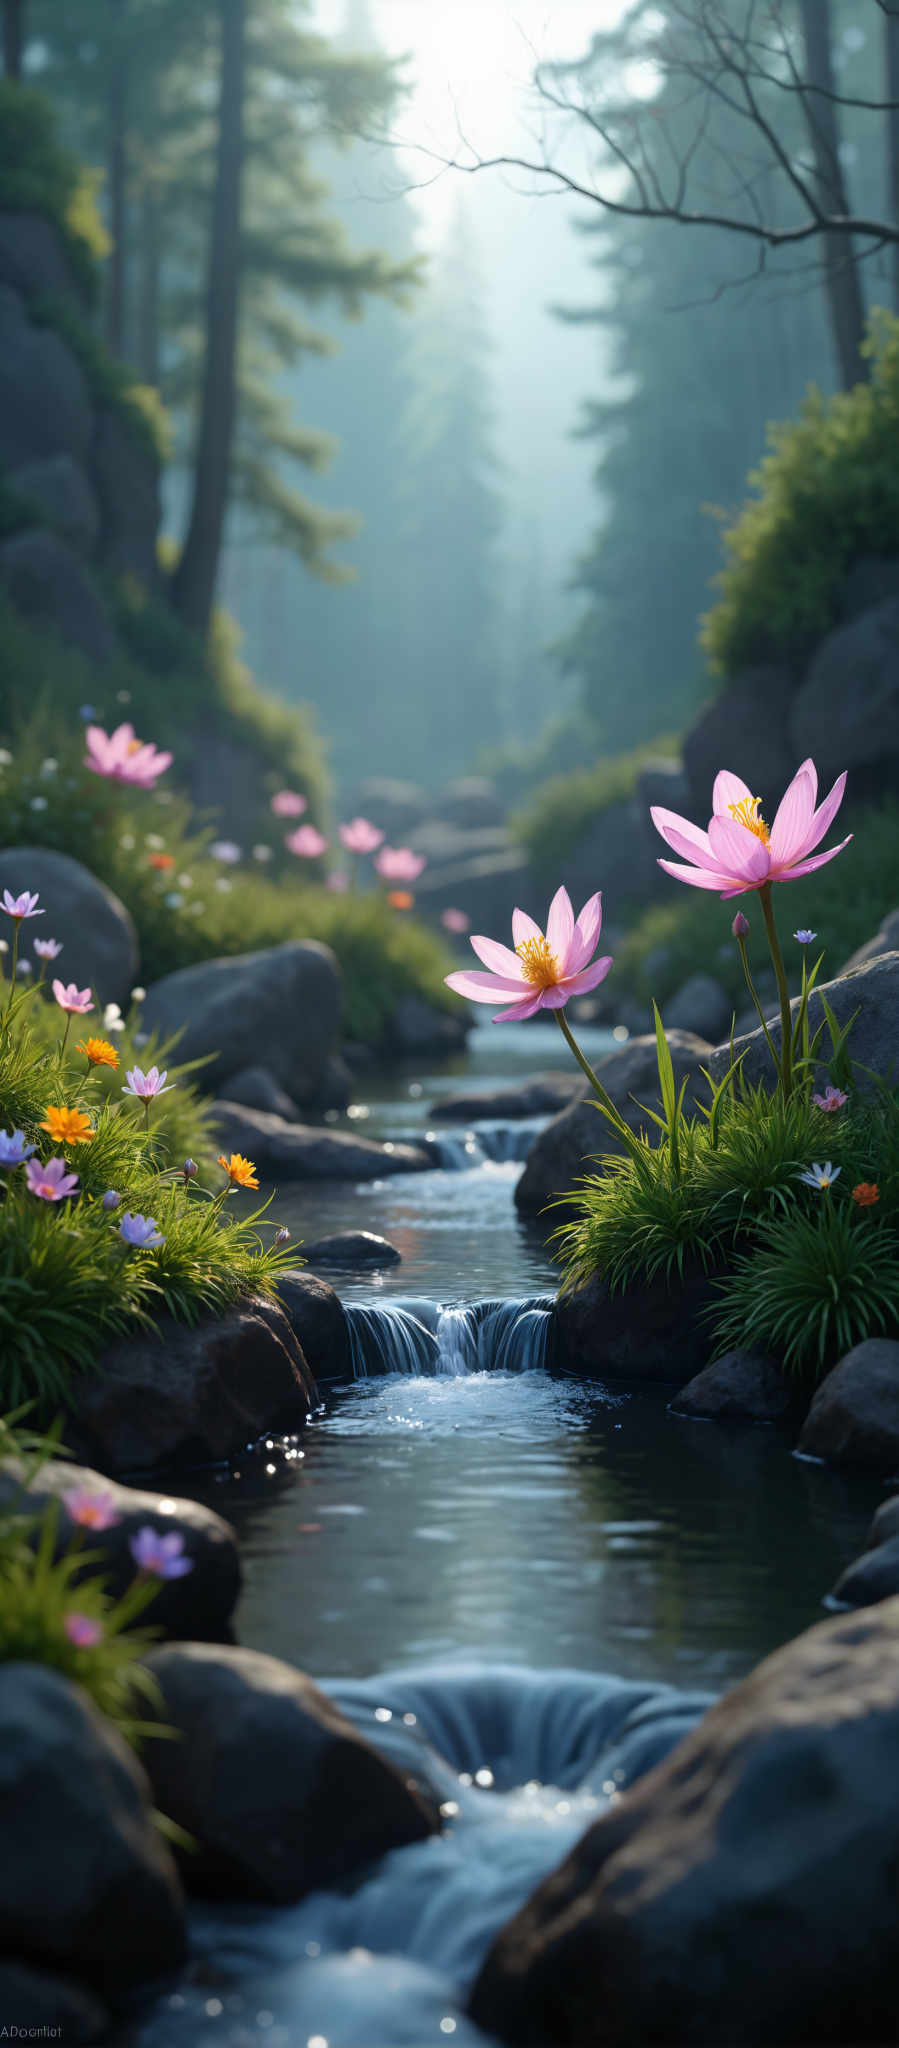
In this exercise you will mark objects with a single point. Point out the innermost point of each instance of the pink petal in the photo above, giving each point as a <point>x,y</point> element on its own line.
<point>700,878</point>
<point>808,768</point>
<point>683,837</point>
<point>524,928</point>
<point>500,959</point>
<point>790,830</point>
<point>519,1011</point>
<point>556,997</point>
<point>586,934</point>
<point>483,988</point>
<point>728,790</point>
<point>807,867</point>
<point>589,977</point>
<point>826,812</point>
<point>560,924</point>
<point>742,856</point>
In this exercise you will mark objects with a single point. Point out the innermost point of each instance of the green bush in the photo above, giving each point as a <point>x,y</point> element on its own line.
<point>826,494</point>
<point>38,175</point>
<point>559,818</point>
<point>810,1290</point>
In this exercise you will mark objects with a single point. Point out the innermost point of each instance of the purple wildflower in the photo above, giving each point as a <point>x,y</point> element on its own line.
<point>13,1149</point>
<point>51,1182</point>
<point>145,1086</point>
<point>47,949</point>
<point>161,1555</point>
<point>21,906</point>
<point>140,1231</point>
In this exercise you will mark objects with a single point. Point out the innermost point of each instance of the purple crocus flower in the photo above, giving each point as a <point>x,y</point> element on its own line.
<point>47,949</point>
<point>51,1182</point>
<point>111,1199</point>
<point>82,1630</point>
<point>805,937</point>
<point>140,1231</point>
<point>91,1510</point>
<point>161,1555</point>
<point>21,906</point>
<point>145,1086</point>
<point>13,1149</point>
<point>189,1170</point>
<point>832,1098</point>
<point>282,1236</point>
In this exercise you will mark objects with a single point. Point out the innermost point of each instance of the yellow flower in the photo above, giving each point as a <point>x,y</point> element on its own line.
<point>68,1126</point>
<point>240,1171</point>
<point>99,1052</point>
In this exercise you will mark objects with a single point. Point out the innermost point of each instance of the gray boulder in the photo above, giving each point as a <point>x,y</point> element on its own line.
<point>172,1395</point>
<point>871,990</point>
<point>280,1793</point>
<point>486,885</point>
<point>278,1008</point>
<point>543,1095</point>
<point>45,407</point>
<point>662,782</point>
<point>868,582</point>
<point>470,802</point>
<point>846,713</point>
<point>619,854</point>
<point>355,1249</point>
<point>651,1333</point>
<point>701,1005</point>
<point>417,1026</point>
<point>886,940</point>
<point>576,1140</point>
<point>886,1521</point>
<point>32,257</point>
<point>318,1322</point>
<point>256,1088</point>
<point>48,584</point>
<point>310,1151</point>
<point>65,500</point>
<point>200,1604</point>
<point>854,1417</point>
<point>746,728</point>
<point>87,1885</point>
<point>127,478</point>
<point>871,1577</point>
<point>744,1890</point>
<point>94,929</point>
<point>741,1386</point>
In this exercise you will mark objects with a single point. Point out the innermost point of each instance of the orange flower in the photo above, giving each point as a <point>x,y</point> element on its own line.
<point>99,1052</point>
<point>240,1171</point>
<point>161,861</point>
<point>866,1194</point>
<point>400,899</point>
<point>68,1126</point>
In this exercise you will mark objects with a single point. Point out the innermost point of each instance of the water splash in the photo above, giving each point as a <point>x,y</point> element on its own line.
<point>423,1338</point>
<point>488,1142</point>
<point>390,1337</point>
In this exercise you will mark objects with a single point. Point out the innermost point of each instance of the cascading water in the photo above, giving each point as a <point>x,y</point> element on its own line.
<point>420,1337</point>
<point>490,1141</point>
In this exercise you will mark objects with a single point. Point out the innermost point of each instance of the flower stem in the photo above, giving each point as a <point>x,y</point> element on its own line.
<point>602,1095</point>
<point>12,970</point>
<point>786,1021</point>
<point>754,994</point>
<point>62,1049</point>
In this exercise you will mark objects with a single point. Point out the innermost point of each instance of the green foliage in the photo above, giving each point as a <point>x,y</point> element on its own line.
<point>811,1289</point>
<point>826,495</point>
<point>38,175</point>
<point>109,381</point>
<point>563,812</point>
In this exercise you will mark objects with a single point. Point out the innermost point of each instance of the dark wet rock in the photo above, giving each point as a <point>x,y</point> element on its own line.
<point>279,1792</point>
<point>868,582</point>
<point>650,1332</point>
<point>417,1026</point>
<point>87,1885</point>
<point>846,713</point>
<point>742,1892</point>
<point>747,722</point>
<point>702,1006</point>
<point>48,584</point>
<point>886,940</point>
<point>741,1386</point>
<point>618,852</point>
<point>336,1089</point>
<point>886,1521</point>
<point>664,782</point>
<point>310,1151</point>
<point>126,473</point>
<point>94,929</point>
<point>174,1395</point>
<point>854,1417</point>
<point>871,991</point>
<point>316,1316</point>
<point>38,2005</point>
<point>353,1248</point>
<point>200,1604</point>
<point>277,1008</point>
<point>544,1094</point>
<point>256,1088</point>
<point>45,407</point>
<point>63,497</point>
<point>470,802</point>
<point>573,1144</point>
<point>32,258</point>
<point>872,1576</point>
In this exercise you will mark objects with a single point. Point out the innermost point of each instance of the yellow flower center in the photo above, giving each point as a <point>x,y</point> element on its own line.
<point>748,813</point>
<point>539,962</point>
<point>134,746</point>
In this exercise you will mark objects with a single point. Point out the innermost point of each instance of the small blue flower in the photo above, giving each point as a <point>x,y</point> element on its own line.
<point>821,1177</point>
<point>140,1231</point>
<point>111,1199</point>
<point>805,938</point>
<point>13,1149</point>
<point>87,712</point>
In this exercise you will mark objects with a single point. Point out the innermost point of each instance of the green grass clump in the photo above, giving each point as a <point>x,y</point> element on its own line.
<point>826,495</point>
<point>38,175</point>
<point>553,825</point>
<point>811,1290</point>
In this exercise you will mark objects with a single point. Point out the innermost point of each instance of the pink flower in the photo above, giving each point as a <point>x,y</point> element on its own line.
<point>832,1098</point>
<point>400,864</point>
<point>121,758</point>
<point>22,906</point>
<point>76,1000</point>
<point>289,804</point>
<point>51,1182</point>
<point>145,1086</point>
<point>306,841</point>
<point>82,1630</point>
<point>337,881</point>
<point>91,1510</point>
<point>455,920</point>
<point>738,851</point>
<point>47,949</point>
<point>542,973</point>
<point>360,836</point>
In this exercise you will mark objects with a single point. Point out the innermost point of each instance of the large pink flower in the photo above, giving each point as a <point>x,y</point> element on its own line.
<point>360,836</point>
<point>543,972</point>
<point>738,851</point>
<point>306,842</point>
<point>399,864</point>
<point>122,758</point>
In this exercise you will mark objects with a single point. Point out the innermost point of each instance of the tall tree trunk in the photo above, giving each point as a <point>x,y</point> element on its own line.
<point>193,589</point>
<point>843,284</point>
<point>150,260</point>
<point>13,37</point>
<point>891,32</point>
<point>116,174</point>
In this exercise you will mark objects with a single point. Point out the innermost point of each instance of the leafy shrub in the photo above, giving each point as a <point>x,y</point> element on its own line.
<point>826,494</point>
<point>38,175</point>
<point>562,814</point>
<point>813,1287</point>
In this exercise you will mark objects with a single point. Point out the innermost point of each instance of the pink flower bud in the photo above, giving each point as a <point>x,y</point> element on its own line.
<point>740,925</point>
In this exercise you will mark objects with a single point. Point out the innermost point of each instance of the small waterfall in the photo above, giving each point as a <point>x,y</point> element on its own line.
<point>421,1338</point>
<point>499,1143</point>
